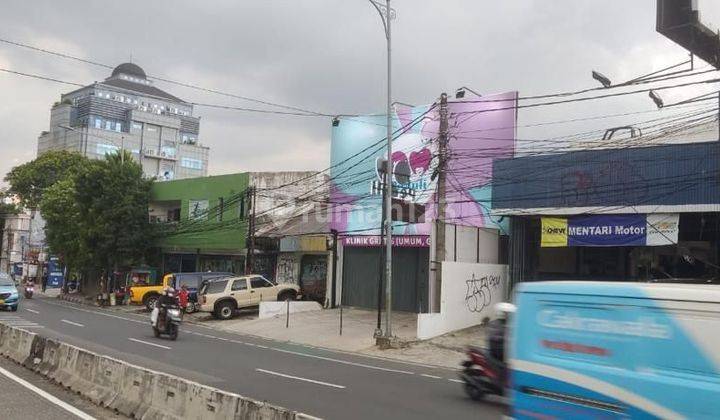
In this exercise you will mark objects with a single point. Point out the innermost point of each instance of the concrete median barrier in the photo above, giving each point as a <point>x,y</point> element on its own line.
<point>131,390</point>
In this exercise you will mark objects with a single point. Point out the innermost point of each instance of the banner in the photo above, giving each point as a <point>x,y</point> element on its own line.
<point>479,132</point>
<point>610,230</point>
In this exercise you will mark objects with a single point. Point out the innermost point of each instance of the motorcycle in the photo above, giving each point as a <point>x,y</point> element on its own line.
<point>483,374</point>
<point>168,322</point>
<point>486,372</point>
<point>29,290</point>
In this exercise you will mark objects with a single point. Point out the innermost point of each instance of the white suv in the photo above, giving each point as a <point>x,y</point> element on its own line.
<point>222,297</point>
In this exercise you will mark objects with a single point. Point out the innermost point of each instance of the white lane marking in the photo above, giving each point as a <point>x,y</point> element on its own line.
<point>271,348</point>
<point>32,310</point>
<point>456,380</point>
<point>99,313</point>
<point>62,404</point>
<point>344,362</point>
<point>300,379</point>
<point>72,323</point>
<point>150,344</point>
<point>425,375</point>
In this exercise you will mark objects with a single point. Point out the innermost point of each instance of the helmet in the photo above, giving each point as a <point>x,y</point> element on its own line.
<point>503,309</point>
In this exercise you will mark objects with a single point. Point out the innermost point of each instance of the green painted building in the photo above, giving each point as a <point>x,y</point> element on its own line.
<point>209,215</point>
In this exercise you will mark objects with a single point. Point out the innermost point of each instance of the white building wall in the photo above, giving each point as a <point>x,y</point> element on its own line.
<point>467,297</point>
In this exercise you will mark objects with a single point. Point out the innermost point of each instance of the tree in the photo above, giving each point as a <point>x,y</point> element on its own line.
<point>112,198</point>
<point>63,223</point>
<point>29,180</point>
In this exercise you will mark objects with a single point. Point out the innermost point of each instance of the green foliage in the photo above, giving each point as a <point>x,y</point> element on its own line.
<point>63,223</point>
<point>97,218</point>
<point>28,181</point>
<point>112,198</point>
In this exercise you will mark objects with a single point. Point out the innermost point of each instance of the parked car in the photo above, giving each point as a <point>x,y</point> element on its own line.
<point>223,296</point>
<point>149,294</point>
<point>8,293</point>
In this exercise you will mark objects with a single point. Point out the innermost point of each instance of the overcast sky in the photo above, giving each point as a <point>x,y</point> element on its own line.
<point>329,56</point>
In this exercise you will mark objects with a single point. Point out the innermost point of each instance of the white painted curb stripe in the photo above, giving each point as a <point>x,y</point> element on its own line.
<point>300,379</point>
<point>150,344</point>
<point>62,404</point>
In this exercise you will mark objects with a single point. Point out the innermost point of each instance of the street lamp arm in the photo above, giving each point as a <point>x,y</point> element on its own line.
<point>379,8</point>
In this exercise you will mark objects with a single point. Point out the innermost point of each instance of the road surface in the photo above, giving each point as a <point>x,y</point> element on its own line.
<point>322,383</point>
<point>27,395</point>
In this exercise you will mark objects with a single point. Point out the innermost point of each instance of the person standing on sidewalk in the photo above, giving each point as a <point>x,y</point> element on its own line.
<point>44,281</point>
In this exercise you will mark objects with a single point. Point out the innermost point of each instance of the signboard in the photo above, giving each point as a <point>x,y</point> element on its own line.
<point>480,130</point>
<point>405,241</point>
<point>610,230</point>
<point>198,209</point>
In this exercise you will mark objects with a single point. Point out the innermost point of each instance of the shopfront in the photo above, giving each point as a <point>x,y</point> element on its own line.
<point>633,214</point>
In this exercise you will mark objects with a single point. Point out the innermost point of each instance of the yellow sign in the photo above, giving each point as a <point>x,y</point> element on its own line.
<point>554,232</point>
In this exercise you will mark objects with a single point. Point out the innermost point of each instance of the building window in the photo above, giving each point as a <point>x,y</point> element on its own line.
<point>106,149</point>
<point>108,125</point>
<point>98,123</point>
<point>191,163</point>
<point>118,127</point>
<point>136,126</point>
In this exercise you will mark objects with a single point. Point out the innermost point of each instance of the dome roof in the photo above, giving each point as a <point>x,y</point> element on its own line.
<point>129,69</point>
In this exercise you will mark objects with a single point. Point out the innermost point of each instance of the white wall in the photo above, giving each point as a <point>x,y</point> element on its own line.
<point>462,243</point>
<point>468,294</point>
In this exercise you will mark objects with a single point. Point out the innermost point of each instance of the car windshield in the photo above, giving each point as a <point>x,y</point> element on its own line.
<point>217,286</point>
<point>5,280</point>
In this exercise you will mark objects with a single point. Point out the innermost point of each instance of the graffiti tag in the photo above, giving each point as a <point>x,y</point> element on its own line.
<point>479,292</point>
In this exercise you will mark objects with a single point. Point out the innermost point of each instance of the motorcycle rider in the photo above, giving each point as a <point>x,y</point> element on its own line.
<point>166,299</point>
<point>497,328</point>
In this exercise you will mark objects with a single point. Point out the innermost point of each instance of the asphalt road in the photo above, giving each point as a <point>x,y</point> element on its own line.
<point>27,395</point>
<point>322,383</point>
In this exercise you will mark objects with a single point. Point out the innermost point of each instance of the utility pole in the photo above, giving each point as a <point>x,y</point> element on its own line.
<point>388,184</point>
<point>381,267</point>
<point>250,260</point>
<point>441,202</point>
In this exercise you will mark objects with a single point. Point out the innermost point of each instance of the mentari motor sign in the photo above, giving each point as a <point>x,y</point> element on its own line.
<point>610,230</point>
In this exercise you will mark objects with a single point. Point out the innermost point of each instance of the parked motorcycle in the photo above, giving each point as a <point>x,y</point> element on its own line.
<point>29,290</point>
<point>168,321</point>
<point>486,372</point>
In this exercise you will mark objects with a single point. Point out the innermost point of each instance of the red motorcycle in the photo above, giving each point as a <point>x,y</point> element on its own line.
<point>485,372</point>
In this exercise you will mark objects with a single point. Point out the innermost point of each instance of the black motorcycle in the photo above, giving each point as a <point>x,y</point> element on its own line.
<point>486,372</point>
<point>168,321</point>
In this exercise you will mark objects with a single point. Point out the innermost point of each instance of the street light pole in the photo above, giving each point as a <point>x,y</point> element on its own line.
<point>386,15</point>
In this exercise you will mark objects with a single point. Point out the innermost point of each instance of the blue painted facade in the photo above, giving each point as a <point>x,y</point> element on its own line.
<point>667,175</point>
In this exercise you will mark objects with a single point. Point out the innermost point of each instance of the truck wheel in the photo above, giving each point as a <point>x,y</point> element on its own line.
<point>150,301</point>
<point>225,310</point>
<point>287,295</point>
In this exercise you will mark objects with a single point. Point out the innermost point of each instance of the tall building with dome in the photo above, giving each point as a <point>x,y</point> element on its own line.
<point>126,111</point>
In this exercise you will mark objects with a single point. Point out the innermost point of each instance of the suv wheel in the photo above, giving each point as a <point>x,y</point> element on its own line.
<point>287,295</point>
<point>225,310</point>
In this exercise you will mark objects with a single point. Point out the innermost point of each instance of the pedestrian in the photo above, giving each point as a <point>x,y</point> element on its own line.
<point>44,281</point>
<point>183,296</point>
